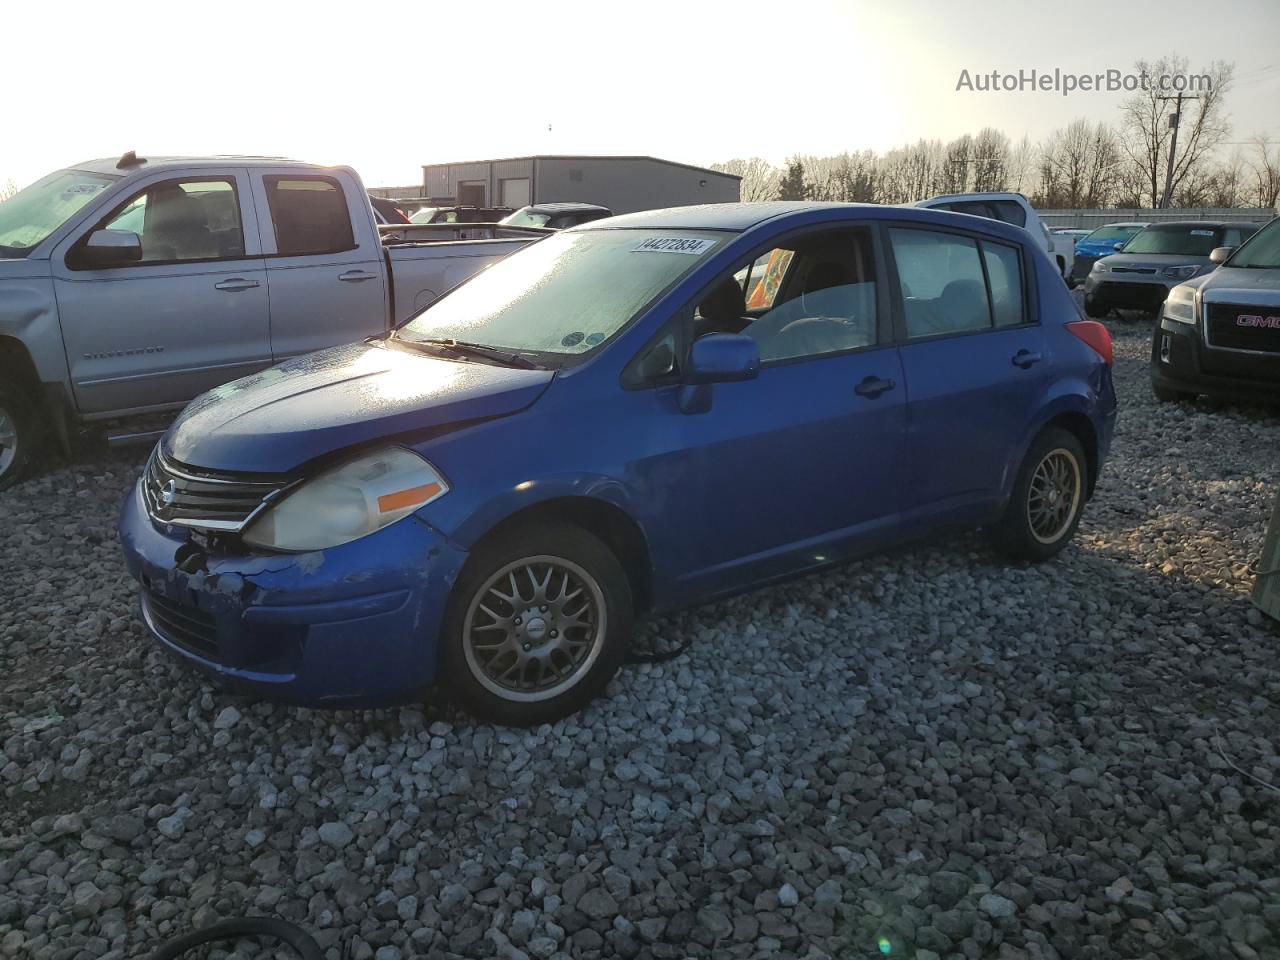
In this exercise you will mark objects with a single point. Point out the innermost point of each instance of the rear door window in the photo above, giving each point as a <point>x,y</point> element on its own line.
<point>309,215</point>
<point>942,283</point>
<point>1004,276</point>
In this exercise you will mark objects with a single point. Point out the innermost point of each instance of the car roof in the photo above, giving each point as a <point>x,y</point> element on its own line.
<point>111,165</point>
<point>988,195</point>
<point>1204,224</point>
<point>569,206</point>
<point>740,217</point>
<point>1125,223</point>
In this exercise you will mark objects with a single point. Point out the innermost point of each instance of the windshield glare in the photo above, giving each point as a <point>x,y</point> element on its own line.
<point>32,214</point>
<point>526,218</point>
<point>1183,241</point>
<point>1262,250</point>
<point>565,294</point>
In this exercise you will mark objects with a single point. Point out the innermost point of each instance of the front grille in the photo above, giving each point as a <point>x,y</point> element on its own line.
<point>1144,270</point>
<point>190,497</point>
<point>1238,326</point>
<point>188,627</point>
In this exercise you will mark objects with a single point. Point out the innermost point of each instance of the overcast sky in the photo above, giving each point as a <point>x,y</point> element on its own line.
<point>386,86</point>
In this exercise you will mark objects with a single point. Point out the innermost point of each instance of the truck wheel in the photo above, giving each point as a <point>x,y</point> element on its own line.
<point>1093,309</point>
<point>1048,498</point>
<point>538,624</point>
<point>17,436</point>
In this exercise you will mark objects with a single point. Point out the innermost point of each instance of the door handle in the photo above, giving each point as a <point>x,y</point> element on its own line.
<point>236,283</point>
<point>1025,358</point>
<point>873,386</point>
<point>355,276</point>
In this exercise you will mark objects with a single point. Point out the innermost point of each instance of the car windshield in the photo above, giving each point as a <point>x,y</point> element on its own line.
<point>1262,250</point>
<point>1111,235</point>
<point>526,218</point>
<point>1179,239</point>
<point>32,214</point>
<point>565,294</point>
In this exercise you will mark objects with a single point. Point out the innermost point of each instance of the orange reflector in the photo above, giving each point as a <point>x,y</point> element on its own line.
<point>407,498</point>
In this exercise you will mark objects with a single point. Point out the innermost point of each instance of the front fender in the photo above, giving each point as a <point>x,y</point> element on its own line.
<point>29,315</point>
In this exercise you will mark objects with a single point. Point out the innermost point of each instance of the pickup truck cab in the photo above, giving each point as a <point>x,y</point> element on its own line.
<point>129,286</point>
<point>1011,208</point>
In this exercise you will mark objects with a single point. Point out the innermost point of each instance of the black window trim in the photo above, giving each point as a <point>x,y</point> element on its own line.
<point>683,317</point>
<point>270,184</point>
<point>1030,312</point>
<point>72,257</point>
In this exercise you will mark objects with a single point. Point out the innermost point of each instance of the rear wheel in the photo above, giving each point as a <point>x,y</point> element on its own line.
<point>538,624</point>
<point>17,436</point>
<point>1048,498</point>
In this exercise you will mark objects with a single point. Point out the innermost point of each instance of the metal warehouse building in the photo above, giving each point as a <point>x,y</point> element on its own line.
<point>623,184</point>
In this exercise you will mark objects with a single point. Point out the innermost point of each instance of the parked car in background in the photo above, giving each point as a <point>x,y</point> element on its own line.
<point>129,286</point>
<point>459,214</point>
<point>556,216</point>
<point>1073,232</point>
<point>1219,334</point>
<point>1010,208</point>
<point>1155,260</point>
<point>1102,243</point>
<point>386,212</point>
<point>601,425</point>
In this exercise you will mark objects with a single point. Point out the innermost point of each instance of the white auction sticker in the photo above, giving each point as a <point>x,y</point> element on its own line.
<point>1202,233</point>
<point>694,246</point>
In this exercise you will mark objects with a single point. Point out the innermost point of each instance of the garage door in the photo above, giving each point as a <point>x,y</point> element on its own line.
<point>515,193</point>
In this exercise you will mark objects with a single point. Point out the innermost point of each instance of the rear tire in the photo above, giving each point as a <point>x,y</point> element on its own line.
<point>538,624</point>
<point>18,423</point>
<point>1047,501</point>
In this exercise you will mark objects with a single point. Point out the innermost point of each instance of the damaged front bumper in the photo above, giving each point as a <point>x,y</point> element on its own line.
<point>352,626</point>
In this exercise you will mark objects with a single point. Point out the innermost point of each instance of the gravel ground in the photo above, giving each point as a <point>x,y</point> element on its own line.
<point>928,754</point>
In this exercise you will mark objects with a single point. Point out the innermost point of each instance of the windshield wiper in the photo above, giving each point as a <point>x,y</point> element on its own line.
<point>467,349</point>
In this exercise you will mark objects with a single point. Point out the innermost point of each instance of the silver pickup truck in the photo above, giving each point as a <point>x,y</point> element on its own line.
<point>128,286</point>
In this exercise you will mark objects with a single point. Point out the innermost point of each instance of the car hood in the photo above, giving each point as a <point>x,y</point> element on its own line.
<point>1157,261</point>
<point>1240,278</point>
<point>313,405</point>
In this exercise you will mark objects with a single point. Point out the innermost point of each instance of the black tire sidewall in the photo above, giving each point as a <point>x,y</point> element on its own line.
<point>1012,535</point>
<point>25,420</point>
<point>559,540</point>
<point>1093,309</point>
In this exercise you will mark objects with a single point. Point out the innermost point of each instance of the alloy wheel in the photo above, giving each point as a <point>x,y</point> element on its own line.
<point>1054,495</point>
<point>534,628</point>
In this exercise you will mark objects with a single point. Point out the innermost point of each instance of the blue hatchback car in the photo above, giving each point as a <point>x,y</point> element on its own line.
<point>642,413</point>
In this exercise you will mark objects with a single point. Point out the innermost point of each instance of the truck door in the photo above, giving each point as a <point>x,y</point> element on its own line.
<point>190,315</point>
<point>325,265</point>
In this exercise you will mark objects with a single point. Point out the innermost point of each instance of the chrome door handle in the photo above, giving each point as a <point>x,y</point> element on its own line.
<point>1025,358</point>
<point>355,276</point>
<point>236,283</point>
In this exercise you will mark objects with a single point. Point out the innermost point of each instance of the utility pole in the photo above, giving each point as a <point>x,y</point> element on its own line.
<point>1175,121</point>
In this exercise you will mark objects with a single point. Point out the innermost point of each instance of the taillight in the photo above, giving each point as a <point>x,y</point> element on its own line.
<point>1097,336</point>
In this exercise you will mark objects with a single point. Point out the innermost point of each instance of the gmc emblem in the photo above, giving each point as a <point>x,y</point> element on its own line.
<point>1253,320</point>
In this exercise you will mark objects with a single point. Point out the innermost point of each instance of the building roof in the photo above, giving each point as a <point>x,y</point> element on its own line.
<point>581,156</point>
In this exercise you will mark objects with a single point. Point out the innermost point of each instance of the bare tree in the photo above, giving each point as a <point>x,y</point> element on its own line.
<point>1077,164</point>
<point>7,189</point>
<point>1021,165</point>
<point>990,160</point>
<point>911,173</point>
<point>1265,168</point>
<point>1202,126</point>
<point>759,177</point>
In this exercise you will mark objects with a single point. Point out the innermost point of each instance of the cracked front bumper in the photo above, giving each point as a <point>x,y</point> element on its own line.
<point>352,626</point>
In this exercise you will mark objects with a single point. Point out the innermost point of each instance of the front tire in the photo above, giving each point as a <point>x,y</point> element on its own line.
<point>1047,501</point>
<point>538,624</point>
<point>1167,395</point>
<point>1095,310</point>
<point>17,437</point>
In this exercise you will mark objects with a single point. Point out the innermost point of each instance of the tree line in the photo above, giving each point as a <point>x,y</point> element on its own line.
<point>1085,164</point>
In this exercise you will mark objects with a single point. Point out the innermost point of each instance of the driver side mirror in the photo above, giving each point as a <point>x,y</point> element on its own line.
<point>1118,247</point>
<point>110,248</point>
<point>722,358</point>
<point>1221,254</point>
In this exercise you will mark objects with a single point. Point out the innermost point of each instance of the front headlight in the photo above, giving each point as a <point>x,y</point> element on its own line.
<point>348,502</point>
<point>1181,273</point>
<point>1181,305</point>
<point>1100,267</point>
